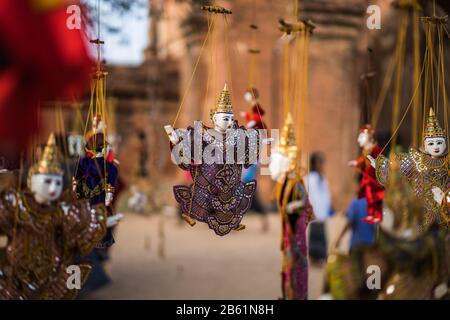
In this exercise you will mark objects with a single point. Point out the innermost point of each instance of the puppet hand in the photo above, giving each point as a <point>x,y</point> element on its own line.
<point>294,205</point>
<point>74,185</point>
<point>372,161</point>
<point>438,194</point>
<point>108,198</point>
<point>352,163</point>
<point>251,124</point>
<point>113,220</point>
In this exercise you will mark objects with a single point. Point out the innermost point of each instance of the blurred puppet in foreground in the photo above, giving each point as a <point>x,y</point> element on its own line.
<point>41,58</point>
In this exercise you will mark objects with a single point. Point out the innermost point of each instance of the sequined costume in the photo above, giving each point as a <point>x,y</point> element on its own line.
<point>218,197</point>
<point>43,240</point>
<point>294,247</point>
<point>91,185</point>
<point>423,172</point>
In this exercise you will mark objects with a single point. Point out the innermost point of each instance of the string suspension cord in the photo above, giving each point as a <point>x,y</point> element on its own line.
<point>295,76</point>
<point>60,127</point>
<point>400,53</point>
<point>97,107</point>
<point>286,69</point>
<point>416,114</point>
<point>212,12</point>
<point>396,64</point>
<point>408,107</point>
<point>435,69</point>
<point>253,50</point>
<point>193,73</point>
<point>16,215</point>
<point>211,20</point>
<point>227,53</point>
<point>433,72</point>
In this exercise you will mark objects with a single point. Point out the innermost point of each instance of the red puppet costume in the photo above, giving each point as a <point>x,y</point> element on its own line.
<point>41,58</point>
<point>369,187</point>
<point>253,118</point>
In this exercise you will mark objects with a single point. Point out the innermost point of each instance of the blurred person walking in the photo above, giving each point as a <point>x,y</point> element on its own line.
<point>320,198</point>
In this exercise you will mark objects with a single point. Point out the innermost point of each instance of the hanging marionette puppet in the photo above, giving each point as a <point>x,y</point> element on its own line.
<point>95,177</point>
<point>46,233</point>
<point>296,212</point>
<point>427,170</point>
<point>253,118</point>
<point>369,187</point>
<point>215,157</point>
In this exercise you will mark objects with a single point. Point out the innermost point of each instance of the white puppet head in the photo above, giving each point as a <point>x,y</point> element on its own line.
<point>46,188</point>
<point>251,95</point>
<point>435,147</point>
<point>222,114</point>
<point>366,136</point>
<point>223,121</point>
<point>435,140</point>
<point>45,178</point>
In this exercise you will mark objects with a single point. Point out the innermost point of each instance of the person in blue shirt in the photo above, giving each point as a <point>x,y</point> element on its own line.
<point>363,234</point>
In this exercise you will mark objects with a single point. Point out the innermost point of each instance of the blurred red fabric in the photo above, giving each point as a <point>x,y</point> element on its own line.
<point>40,59</point>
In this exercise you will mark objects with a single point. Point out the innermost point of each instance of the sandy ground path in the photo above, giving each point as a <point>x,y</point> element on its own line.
<point>157,257</point>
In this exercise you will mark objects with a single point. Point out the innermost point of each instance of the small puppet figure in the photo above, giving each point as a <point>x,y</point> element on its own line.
<point>369,187</point>
<point>46,233</point>
<point>215,158</point>
<point>253,118</point>
<point>426,170</point>
<point>95,177</point>
<point>296,212</point>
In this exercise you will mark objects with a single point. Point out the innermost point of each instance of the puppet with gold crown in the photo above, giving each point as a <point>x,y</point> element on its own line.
<point>427,170</point>
<point>95,178</point>
<point>296,212</point>
<point>46,233</point>
<point>215,158</point>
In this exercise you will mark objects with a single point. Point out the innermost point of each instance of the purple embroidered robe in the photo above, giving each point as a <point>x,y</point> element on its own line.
<point>218,196</point>
<point>293,244</point>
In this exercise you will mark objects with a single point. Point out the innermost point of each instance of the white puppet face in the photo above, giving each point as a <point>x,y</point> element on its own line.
<point>363,138</point>
<point>435,146</point>
<point>248,96</point>
<point>46,187</point>
<point>223,121</point>
<point>278,166</point>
